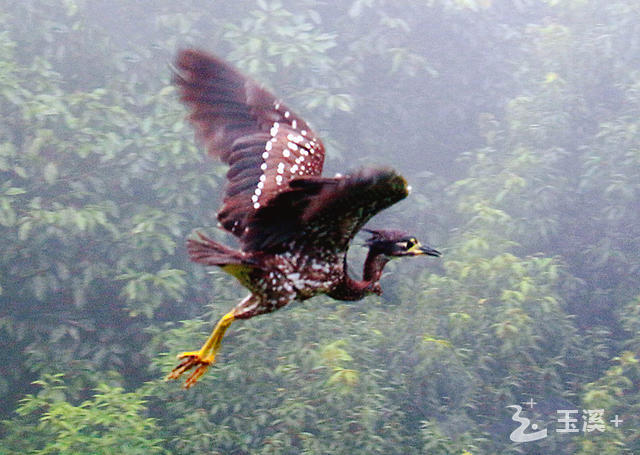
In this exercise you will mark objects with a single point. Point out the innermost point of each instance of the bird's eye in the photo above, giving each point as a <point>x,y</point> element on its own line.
<point>410,244</point>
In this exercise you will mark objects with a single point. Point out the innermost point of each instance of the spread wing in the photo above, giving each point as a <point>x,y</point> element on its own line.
<point>265,144</point>
<point>323,212</point>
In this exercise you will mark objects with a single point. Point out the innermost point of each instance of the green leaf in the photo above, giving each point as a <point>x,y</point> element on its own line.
<point>23,230</point>
<point>50,172</point>
<point>14,191</point>
<point>429,339</point>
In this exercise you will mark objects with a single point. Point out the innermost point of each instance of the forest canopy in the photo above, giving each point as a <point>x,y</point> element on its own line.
<point>517,124</point>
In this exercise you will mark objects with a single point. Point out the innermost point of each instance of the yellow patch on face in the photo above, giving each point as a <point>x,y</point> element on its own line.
<point>415,249</point>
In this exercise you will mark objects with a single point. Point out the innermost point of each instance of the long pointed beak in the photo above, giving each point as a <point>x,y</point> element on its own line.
<point>429,251</point>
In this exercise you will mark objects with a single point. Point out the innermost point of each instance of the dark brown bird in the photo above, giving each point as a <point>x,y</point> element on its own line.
<point>294,226</point>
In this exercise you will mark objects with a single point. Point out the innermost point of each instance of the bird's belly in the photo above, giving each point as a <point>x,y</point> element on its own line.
<point>308,284</point>
<point>310,276</point>
<point>299,275</point>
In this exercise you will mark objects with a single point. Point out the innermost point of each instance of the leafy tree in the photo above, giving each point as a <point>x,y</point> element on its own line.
<point>517,125</point>
<point>110,421</point>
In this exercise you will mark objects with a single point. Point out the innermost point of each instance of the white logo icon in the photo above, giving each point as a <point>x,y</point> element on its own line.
<point>518,435</point>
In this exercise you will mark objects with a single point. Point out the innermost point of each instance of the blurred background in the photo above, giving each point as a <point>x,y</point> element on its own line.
<point>517,124</point>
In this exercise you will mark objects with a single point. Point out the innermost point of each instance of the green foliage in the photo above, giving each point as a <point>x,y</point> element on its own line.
<point>517,127</point>
<point>110,421</point>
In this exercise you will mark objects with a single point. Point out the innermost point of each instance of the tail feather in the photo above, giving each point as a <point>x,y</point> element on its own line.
<point>205,251</point>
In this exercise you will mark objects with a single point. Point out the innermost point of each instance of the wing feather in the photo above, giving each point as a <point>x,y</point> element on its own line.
<point>323,213</point>
<point>265,144</point>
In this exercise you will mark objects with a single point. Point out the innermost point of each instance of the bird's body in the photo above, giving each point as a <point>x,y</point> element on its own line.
<point>276,280</point>
<point>294,226</point>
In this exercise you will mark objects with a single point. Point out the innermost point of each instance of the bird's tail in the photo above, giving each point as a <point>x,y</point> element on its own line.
<point>205,251</point>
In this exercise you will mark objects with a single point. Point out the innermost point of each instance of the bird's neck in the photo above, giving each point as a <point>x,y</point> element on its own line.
<point>350,289</point>
<point>373,265</point>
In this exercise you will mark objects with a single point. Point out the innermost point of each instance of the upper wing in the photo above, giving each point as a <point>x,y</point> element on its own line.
<point>265,144</point>
<point>323,213</point>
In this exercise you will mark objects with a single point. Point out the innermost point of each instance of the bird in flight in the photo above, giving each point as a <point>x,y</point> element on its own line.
<point>293,225</point>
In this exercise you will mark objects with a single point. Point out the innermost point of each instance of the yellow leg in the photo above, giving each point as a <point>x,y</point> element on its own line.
<point>205,357</point>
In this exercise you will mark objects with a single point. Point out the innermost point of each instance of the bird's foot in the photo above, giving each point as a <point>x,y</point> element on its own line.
<point>203,358</point>
<point>190,360</point>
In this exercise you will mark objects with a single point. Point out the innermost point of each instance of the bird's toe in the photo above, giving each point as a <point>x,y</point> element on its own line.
<point>190,360</point>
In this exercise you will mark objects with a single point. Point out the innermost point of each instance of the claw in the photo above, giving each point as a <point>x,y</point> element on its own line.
<point>193,378</point>
<point>191,360</point>
<point>188,354</point>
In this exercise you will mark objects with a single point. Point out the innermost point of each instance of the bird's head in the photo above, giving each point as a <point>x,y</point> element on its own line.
<point>395,244</point>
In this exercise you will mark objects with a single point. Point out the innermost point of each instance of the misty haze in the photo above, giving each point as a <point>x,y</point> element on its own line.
<point>516,124</point>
